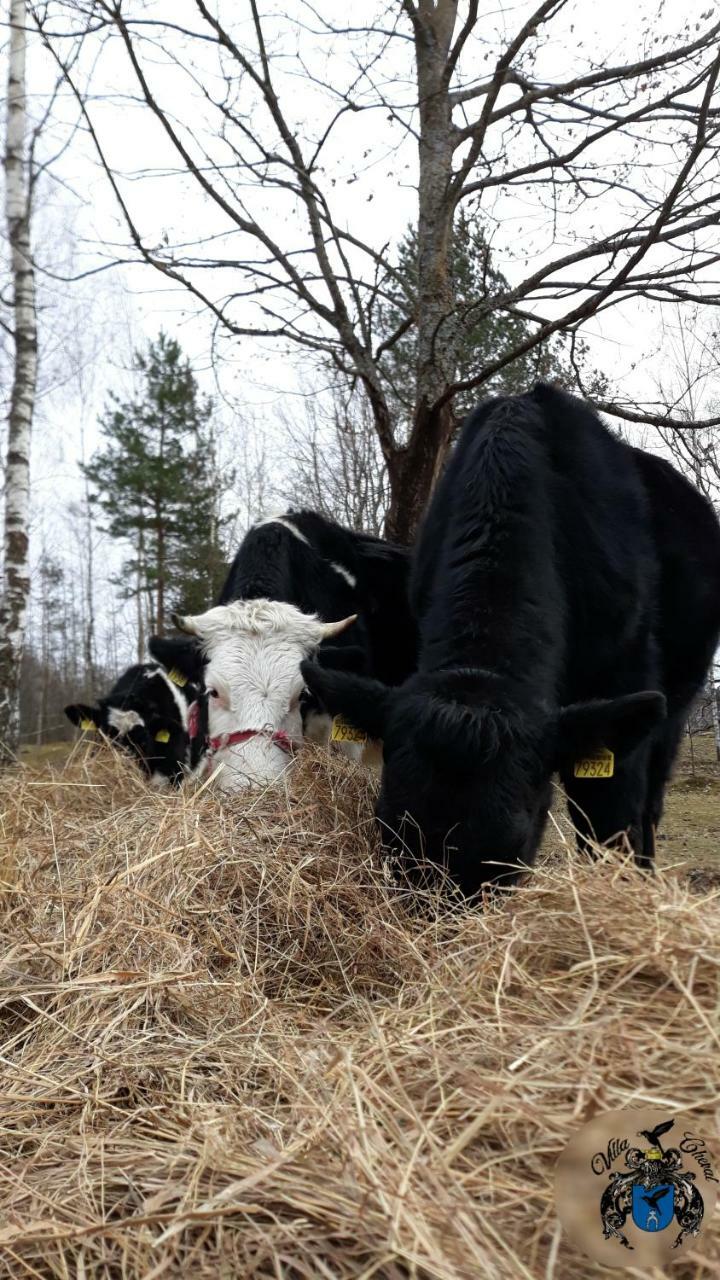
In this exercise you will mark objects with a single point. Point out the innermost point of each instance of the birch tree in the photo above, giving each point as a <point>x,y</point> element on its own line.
<point>18,209</point>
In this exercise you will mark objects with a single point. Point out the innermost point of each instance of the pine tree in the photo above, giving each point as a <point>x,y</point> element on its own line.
<point>156,483</point>
<point>478,337</point>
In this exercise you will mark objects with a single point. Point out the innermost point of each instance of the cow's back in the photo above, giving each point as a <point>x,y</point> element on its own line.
<point>276,561</point>
<point>485,586</point>
<point>588,541</point>
<point>606,554</point>
<point>687,538</point>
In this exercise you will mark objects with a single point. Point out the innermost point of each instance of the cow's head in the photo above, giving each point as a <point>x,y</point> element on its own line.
<point>147,714</point>
<point>253,650</point>
<point>465,782</point>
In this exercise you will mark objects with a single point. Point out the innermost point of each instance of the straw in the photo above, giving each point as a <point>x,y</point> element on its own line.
<point>233,1046</point>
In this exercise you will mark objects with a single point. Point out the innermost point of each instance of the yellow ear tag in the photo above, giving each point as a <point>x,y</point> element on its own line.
<point>162,735</point>
<point>85,723</point>
<point>177,677</point>
<point>599,765</point>
<point>343,731</point>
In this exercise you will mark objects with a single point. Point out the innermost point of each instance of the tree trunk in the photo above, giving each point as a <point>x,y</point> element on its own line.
<point>414,471</point>
<point>417,465</point>
<point>141,588</point>
<point>715,713</point>
<point>13,611</point>
<point>88,626</point>
<point>160,592</point>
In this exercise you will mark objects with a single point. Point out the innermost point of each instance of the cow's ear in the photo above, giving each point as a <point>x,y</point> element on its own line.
<point>342,657</point>
<point>182,657</point>
<point>364,702</point>
<point>616,724</point>
<point>85,717</point>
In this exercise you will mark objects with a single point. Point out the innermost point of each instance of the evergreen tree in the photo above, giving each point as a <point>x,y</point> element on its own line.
<point>475,338</point>
<point>156,483</point>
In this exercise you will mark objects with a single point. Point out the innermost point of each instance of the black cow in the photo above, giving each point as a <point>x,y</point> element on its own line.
<point>548,581</point>
<point>686,539</point>
<point>157,715</point>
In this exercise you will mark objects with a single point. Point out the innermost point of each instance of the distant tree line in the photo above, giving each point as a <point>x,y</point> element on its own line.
<point>155,488</point>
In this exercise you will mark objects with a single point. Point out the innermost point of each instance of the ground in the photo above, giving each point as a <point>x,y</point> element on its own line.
<point>231,1046</point>
<point>690,830</point>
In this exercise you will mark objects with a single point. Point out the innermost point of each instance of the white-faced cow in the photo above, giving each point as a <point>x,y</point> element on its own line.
<point>566,586</point>
<point>300,559</point>
<point>157,716</point>
<point>252,651</point>
<point>326,573</point>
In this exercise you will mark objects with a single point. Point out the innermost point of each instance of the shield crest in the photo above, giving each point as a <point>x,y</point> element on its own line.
<point>653,1207</point>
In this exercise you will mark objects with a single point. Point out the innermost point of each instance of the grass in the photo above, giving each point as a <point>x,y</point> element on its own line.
<point>690,831</point>
<point>232,1047</point>
<point>45,753</point>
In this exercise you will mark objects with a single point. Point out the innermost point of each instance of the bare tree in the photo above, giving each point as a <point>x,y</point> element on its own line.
<point>705,717</point>
<point>336,466</point>
<point>18,209</point>
<point>618,160</point>
<point>689,388</point>
<point>688,392</point>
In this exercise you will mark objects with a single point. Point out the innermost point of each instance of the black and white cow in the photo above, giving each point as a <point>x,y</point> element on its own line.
<point>567,589</point>
<point>156,715</point>
<point>297,583</point>
<point>307,560</point>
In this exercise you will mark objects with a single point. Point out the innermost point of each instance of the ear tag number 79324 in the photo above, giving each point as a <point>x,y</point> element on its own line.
<point>601,764</point>
<point>343,731</point>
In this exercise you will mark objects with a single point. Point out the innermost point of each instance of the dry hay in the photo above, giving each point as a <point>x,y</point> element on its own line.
<point>231,1048</point>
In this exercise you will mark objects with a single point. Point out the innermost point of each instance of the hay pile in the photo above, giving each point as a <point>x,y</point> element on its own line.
<point>230,1049</point>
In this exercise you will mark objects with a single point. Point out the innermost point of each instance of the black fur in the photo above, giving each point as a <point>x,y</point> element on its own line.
<point>549,598</point>
<point>143,690</point>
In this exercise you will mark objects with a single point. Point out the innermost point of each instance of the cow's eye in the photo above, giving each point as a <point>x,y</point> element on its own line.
<point>213,693</point>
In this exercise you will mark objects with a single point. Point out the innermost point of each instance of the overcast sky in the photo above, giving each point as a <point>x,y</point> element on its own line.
<point>89,328</point>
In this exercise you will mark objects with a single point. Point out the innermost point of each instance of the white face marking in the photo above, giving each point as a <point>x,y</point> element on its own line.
<point>159,781</point>
<point>123,721</point>
<point>288,524</point>
<point>254,650</point>
<point>344,573</point>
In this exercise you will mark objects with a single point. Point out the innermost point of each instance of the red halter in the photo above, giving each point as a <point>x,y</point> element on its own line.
<point>278,736</point>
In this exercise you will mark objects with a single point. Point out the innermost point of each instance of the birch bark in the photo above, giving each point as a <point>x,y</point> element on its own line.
<point>18,198</point>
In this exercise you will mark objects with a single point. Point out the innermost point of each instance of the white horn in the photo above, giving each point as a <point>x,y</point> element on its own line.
<point>334,628</point>
<point>186,624</point>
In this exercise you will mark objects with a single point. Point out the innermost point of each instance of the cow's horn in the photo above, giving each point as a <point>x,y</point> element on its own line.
<point>334,628</point>
<point>184,623</point>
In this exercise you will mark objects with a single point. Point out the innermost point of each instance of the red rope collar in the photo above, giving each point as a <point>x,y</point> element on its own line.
<point>278,736</point>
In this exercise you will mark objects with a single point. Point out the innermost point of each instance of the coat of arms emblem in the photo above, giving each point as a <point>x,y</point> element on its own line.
<point>654,1192</point>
